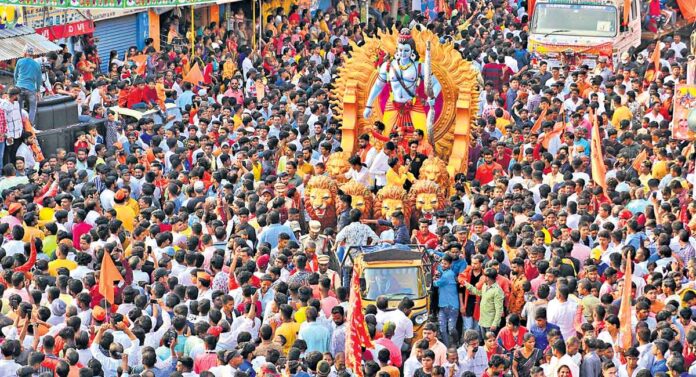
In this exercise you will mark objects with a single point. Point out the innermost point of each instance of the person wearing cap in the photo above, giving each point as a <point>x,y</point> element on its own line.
<point>124,212</point>
<point>325,271</point>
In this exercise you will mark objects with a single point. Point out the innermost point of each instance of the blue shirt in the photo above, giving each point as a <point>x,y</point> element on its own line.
<point>400,232</point>
<point>316,336</point>
<point>185,99</point>
<point>248,368</point>
<point>542,342</point>
<point>585,145</point>
<point>447,290</point>
<point>658,366</point>
<point>27,74</point>
<point>271,234</point>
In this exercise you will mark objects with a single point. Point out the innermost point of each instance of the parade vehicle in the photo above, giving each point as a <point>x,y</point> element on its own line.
<point>395,271</point>
<point>578,32</point>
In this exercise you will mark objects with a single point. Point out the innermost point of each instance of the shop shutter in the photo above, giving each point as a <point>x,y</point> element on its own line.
<point>115,34</point>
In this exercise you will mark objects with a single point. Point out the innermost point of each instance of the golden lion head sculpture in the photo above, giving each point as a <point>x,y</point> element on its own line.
<point>435,169</point>
<point>337,166</point>
<point>389,200</point>
<point>320,200</point>
<point>427,197</point>
<point>361,197</point>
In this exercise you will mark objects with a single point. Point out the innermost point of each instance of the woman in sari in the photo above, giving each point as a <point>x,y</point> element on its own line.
<point>526,357</point>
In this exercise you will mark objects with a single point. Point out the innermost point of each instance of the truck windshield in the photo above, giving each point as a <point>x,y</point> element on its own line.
<point>394,283</point>
<point>575,19</point>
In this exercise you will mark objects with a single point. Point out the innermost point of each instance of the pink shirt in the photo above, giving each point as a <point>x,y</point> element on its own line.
<point>394,351</point>
<point>78,230</point>
<point>204,361</point>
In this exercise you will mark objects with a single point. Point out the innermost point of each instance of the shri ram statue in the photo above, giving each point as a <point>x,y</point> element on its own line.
<point>405,111</point>
<point>384,79</point>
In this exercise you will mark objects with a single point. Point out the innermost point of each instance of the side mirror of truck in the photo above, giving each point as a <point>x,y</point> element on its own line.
<point>428,279</point>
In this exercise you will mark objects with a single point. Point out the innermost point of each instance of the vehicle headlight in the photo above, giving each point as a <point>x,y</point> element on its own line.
<point>420,318</point>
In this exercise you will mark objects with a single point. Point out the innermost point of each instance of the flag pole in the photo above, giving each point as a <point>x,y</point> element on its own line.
<point>253,24</point>
<point>193,31</point>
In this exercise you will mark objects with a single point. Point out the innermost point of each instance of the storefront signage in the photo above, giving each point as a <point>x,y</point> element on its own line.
<point>69,30</point>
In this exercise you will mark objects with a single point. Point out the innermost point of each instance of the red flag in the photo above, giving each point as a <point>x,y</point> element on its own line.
<point>530,8</point>
<point>642,156</point>
<point>194,76</point>
<point>599,170</point>
<point>625,309</point>
<point>356,329</point>
<point>537,125</point>
<point>108,274</point>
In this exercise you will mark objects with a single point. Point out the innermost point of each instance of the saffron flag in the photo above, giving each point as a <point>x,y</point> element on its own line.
<point>599,170</point>
<point>537,125</point>
<point>356,330</point>
<point>625,310</point>
<point>688,9</point>
<point>140,64</point>
<point>642,156</point>
<point>557,130</point>
<point>656,59</point>
<point>627,11</point>
<point>108,274</point>
<point>194,76</point>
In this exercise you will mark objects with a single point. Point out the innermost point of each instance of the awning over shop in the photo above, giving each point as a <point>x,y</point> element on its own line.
<point>13,41</point>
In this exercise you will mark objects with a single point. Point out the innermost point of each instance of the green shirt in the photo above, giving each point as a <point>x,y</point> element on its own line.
<point>491,307</point>
<point>589,303</point>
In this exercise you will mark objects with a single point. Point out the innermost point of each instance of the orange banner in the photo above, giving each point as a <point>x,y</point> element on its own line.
<point>599,170</point>
<point>688,9</point>
<point>642,156</point>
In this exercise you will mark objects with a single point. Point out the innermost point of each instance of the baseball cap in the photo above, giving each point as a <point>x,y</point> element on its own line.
<point>537,217</point>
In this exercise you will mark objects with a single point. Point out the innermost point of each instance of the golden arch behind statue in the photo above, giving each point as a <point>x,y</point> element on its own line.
<point>458,78</point>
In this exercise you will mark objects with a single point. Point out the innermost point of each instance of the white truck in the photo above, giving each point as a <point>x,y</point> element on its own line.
<point>577,32</point>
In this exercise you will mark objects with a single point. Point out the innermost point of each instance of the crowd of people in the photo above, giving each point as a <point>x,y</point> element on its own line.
<point>220,271</point>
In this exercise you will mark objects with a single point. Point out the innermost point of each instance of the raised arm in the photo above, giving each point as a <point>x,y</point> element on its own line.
<point>376,89</point>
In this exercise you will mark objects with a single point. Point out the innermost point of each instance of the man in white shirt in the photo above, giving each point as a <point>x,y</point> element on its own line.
<point>677,46</point>
<point>562,312</point>
<point>7,364</point>
<point>404,326</point>
<point>13,116</point>
<point>380,165</point>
